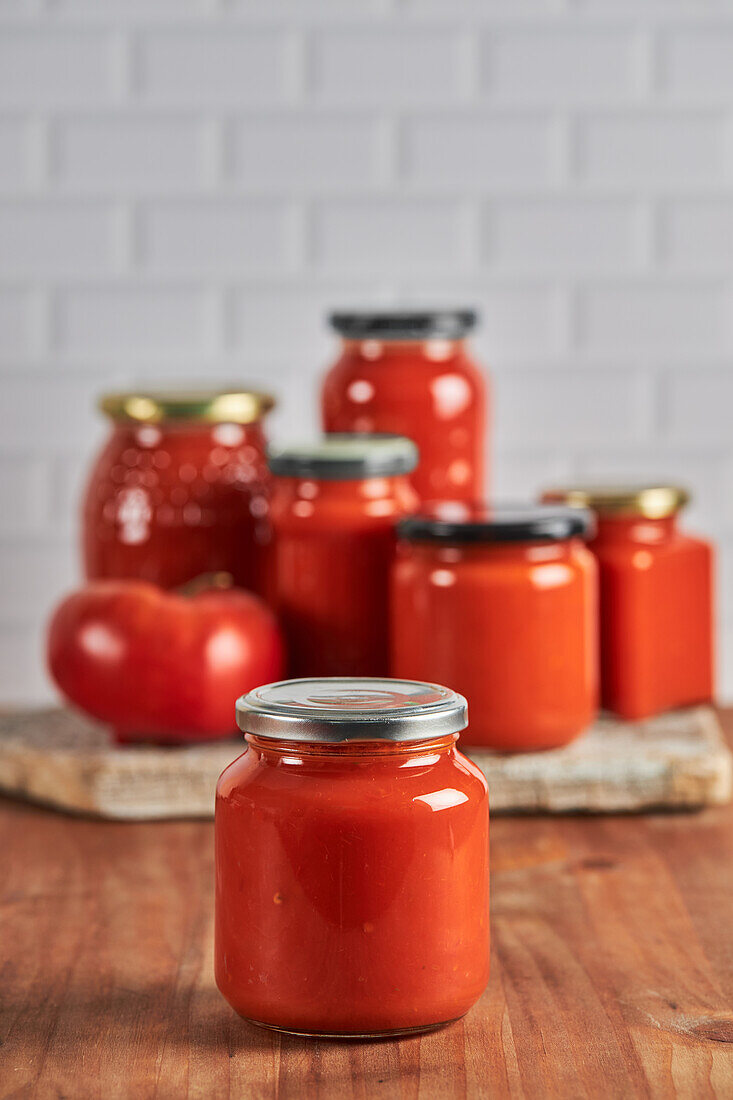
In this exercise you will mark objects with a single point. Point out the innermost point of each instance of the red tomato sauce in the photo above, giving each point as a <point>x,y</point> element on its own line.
<point>171,500</point>
<point>511,623</point>
<point>352,885</point>
<point>333,547</point>
<point>428,390</point>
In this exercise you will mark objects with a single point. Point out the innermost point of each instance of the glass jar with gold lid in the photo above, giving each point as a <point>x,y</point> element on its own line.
<point>656,588</point>
<point>180,488</point>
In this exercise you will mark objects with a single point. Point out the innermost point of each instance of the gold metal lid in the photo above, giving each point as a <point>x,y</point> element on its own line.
<point>648,501</point>
<point>211,406</point>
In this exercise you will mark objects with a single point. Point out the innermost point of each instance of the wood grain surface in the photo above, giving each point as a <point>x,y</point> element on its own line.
<point>612,970</point>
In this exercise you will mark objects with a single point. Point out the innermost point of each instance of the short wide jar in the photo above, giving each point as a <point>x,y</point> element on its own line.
<point>352,876</point>
<point>656,610</point>
<point>334,509</point>
<point>502,603</point>
<point>180,488</point>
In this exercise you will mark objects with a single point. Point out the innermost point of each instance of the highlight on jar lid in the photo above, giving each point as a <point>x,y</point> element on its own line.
<point>220,406</point>
<point>647,501</point>
<point>346,708</point>
<point>454,521</point>
<point>401,324</point>
<point>345,457</point>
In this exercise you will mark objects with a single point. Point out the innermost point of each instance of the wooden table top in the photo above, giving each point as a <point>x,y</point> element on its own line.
<point>612,970</point>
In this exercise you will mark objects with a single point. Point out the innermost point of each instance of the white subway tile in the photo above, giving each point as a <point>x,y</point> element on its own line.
<point>470,152</point>
<point>213,66</point>
<point>15,153</point>
<point>16,323</point>
<point>127,10</point>
<point>654,149</point>
<point>222,237</point>
<point>648,317</point>
<point>23,494</point>
<point>33,578</point>
<point>118,321</point>
<point>563,235</point>
<point>23,677</point>
<point>392,66</point>
<point>563,409</point>
<point>299,151</point>
<point>55,238</point>
<point>517,477</point>
<point>45,415</point>
<point>698,233</point>
<point>555,65</point>
<point>123,152</point>
<point>384,235</point>
<point>291,321</point>
<point>49,67</point>
<point>698,60</point>
<point>700,407</point>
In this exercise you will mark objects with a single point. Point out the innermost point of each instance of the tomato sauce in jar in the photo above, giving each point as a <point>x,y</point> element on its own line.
<point>411,373</point>
<point>656,612</point>
<point>352,874</point>
<point>501,602</point>
<point>334,508</point>
<point>181,488</point>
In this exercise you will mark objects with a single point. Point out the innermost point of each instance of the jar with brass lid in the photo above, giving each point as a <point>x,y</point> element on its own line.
<point>656,597</point>
<point>180,488</point>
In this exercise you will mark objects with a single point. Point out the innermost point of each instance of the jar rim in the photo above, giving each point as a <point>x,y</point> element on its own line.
<point>345,456</point>
<point>333,709</point>
<point>404,324</point>
<point>458,522</point>
<point>654,501</point>
<point>216,406</point>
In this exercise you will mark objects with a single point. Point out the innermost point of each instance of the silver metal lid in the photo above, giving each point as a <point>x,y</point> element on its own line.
<point>345,456</point>
<point>349,708</point>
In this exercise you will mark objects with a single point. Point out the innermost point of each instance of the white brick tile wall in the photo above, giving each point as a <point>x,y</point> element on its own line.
<point>55,68</point>
<point>325,152</point>
<point>594,235</point>
<point>222,67</point>
<point>56,239</point>
<point>137,153</point>
<point>471,152</point>
<point>187,187</point>
<point>546,64</point>
<point>393,67</point>
<point>215,237</point>
<point>668,149</point>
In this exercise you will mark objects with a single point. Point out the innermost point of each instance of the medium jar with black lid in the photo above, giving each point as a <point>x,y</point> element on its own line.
<point>411,372</point>
<point>334,508</point>
<point>656,586</point>
<point>502,603</point>
<point>352,873</point>
<point>180,488</point>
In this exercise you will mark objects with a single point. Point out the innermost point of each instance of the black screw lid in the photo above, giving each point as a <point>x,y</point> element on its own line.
<point>345,457</point>
<point>405,324</point>
<point>455,522</point>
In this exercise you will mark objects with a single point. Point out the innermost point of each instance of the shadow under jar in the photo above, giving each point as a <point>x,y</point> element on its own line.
<point>656,588</point>
<point>334,508</point>
<point>411,373</point>
<point>181,488</point>
<point>501,602</point>
<point>352,873</point>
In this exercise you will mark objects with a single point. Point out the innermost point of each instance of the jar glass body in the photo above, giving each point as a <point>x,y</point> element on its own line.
<point>352,885</point>
<point>167,502</point>
<point>430,391</point>
<point>333,548</point>
<point>656,587</point>
<point>513,626</point>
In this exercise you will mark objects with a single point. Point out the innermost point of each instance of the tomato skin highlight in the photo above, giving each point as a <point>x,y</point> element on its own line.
<point>159,665</point>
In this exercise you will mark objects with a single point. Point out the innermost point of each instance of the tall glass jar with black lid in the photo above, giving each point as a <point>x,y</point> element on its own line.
<point>411,372</point>
<point>334,507</point>
<point>501,602</point>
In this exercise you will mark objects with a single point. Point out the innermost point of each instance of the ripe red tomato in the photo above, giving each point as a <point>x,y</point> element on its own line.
<point>158,665</point>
